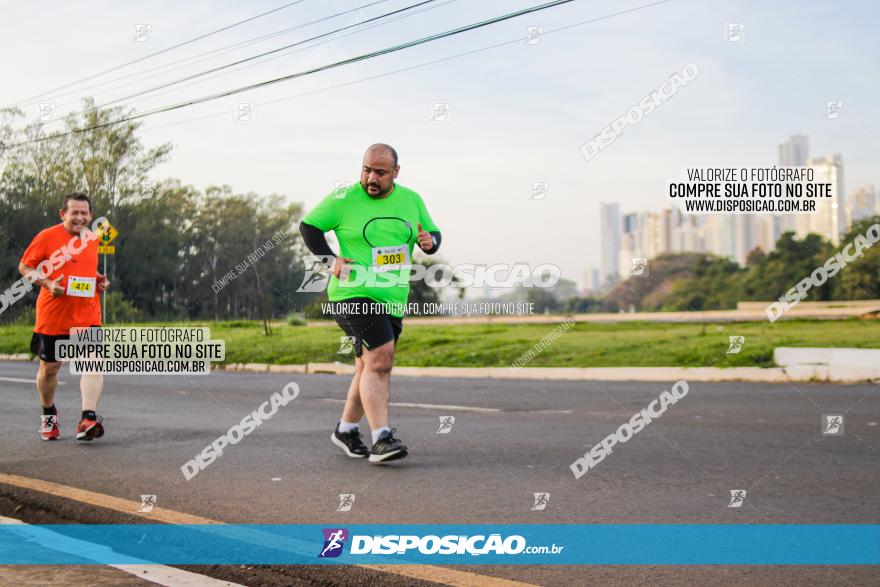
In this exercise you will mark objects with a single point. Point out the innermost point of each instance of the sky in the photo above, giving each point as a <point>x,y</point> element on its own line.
<point>518,113</point>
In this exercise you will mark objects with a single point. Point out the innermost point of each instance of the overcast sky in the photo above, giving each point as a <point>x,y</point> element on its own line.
<point>519,112</point>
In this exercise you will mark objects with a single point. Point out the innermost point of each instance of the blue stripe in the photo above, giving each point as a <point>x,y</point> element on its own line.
<point>615,544</point>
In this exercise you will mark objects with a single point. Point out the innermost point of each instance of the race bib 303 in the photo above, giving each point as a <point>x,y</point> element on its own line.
<point>388,258</point>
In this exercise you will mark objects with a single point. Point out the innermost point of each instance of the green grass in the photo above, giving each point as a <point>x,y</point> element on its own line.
<point>632,344</point>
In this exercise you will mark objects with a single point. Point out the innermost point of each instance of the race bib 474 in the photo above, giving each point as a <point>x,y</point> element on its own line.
<point>81,287</point>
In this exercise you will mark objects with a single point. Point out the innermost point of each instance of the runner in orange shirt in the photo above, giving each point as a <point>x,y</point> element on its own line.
<point>68,299</point>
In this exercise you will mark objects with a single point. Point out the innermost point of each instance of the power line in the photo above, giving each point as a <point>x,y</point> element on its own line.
<point>351,33</point>
<point>412,67</point>
<point>359,58</point>
<point>253,57</point>
<point>60,118</point>
<point>166,50</point>
<point>218,51</point>
<point>264,54</point>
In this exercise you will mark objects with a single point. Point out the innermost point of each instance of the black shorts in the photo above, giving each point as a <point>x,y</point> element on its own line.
<point>367,322</point>
<point>43,345</point>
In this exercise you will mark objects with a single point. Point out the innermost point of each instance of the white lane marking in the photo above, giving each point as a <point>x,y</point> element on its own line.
<point>158,574</point>
<point>458,408</point>
<point>171,577</point>
<point>17,380</point>
<point>444,575</point>
<point>430,406</point>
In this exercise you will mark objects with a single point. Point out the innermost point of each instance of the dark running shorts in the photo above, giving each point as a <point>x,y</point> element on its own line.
<point>43,345</point>
<point>367,322</point>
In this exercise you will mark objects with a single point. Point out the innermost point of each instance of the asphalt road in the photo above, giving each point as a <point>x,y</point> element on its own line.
<point>510,439</point>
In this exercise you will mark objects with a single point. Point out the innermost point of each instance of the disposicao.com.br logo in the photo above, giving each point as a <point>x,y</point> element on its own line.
<point>463,275</point>
<point>431,544</point>
<point>334,542</point>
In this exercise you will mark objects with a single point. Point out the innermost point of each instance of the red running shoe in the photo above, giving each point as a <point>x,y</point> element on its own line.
<point>89,429</point>
<point>49,428</point>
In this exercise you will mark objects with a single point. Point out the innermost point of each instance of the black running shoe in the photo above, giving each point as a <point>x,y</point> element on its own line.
<point>387,448</point>
<point>350,443</point>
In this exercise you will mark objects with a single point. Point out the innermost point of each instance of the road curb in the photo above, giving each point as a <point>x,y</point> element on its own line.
<point>794,373</point>
<point>708,374</point>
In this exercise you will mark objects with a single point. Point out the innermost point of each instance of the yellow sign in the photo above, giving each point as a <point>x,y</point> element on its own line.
<point>106,250</point>
<point>108,233</point>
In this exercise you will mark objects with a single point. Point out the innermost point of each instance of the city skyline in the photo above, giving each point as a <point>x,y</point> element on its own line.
<point>518,114</point>
<point>637,234</point>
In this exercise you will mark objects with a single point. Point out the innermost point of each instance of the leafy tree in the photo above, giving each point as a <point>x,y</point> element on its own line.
<point>860,279</point>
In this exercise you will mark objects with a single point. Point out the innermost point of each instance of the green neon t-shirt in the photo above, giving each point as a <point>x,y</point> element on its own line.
<point>379,234</point>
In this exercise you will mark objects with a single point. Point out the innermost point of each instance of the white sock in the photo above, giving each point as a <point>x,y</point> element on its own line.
<point>378,432</point>
<point>347,426</point>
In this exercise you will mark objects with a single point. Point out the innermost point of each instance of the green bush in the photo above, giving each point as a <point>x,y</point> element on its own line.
<point>119,309</point>
<point>313,309</point>
<point>236,323</point>
<point>296,319</point>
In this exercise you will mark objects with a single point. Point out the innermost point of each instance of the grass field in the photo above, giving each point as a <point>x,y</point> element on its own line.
<point>634,344</point>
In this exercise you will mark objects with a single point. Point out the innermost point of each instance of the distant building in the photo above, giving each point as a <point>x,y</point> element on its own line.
<point>863,204</point>
<point>609,235</point>
<point>733,236</point>
<point>591,282</point>
<point>585,287</point>
<point>829,221</point>
<point>632,241</point>
<point>720,233</point>
<point>685,234</point>
<point>795,152</point>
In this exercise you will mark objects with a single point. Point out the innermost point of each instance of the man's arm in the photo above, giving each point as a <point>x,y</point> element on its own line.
<point>53,285</point>
<point>318,245</point>
<point>435,238</point>
<point>429,242</point>
<point>315,240</point>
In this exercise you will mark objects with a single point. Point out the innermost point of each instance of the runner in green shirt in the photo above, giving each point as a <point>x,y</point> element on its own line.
<point>377,223</point>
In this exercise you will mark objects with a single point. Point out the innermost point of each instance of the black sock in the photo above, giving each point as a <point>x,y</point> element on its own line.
<point>89,415</point>
<point>50,411</point>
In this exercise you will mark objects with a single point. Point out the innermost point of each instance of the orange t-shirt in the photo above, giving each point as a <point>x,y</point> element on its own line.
<point>80,306</point>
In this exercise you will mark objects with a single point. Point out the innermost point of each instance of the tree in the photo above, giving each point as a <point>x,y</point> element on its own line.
<point>860,278</point>
<point>107,163</point>
<point>174,241</point>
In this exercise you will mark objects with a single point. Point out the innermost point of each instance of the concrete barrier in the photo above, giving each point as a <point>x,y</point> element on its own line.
<point>788,356</point>
<point>837,365</point>
<point>287,369</point>
<point>867,305</point>
<point>330,368</point>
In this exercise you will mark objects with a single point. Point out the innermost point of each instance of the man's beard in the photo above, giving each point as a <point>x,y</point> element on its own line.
<point>382,193</point>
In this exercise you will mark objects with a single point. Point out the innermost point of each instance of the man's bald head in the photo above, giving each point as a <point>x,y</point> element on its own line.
<point>382,148</point>
<point>379,170</point>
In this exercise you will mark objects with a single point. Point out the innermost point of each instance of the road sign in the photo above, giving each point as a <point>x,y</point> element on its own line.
<point>106,250</point>
<point>108,233</point>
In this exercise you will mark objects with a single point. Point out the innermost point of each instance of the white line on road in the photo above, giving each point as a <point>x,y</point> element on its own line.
<point>430,406</point>
<point>444,575</point>
<point>457,408</point>
<point>159,574</point>
<point>17,380</point>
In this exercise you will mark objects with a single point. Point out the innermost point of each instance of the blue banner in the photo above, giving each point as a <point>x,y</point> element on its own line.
<point>476,544</point>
